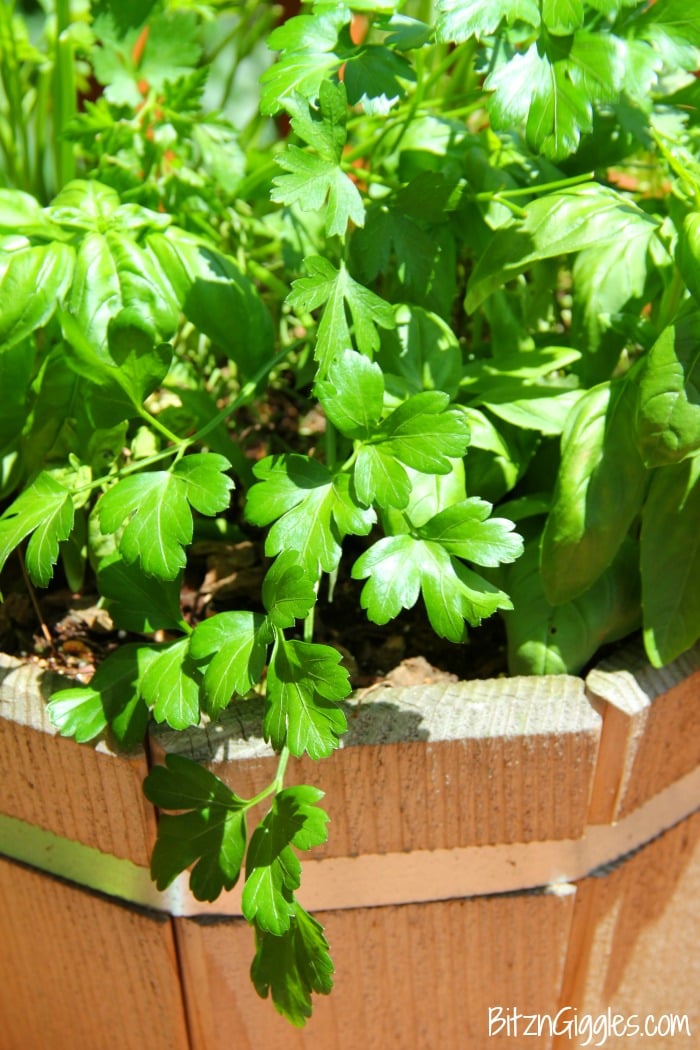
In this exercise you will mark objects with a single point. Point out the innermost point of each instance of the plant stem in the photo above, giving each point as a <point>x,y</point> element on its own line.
<point>33,599</point>
<point>527,191</point>
<point>276,785</point>
<point>64,95</point>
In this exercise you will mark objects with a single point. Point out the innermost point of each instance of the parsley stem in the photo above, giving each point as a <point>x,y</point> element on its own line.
<point>64,95</point>
<point>528,191</point>
<point>152,420</point>
<point>278,783</point>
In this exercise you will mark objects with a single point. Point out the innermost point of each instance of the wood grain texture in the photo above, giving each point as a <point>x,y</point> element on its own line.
<point>79,971</point>
<point>634,939</point>
<point>651,729</point>
<point>430,767</point>
<point>419,977</point>
<point>87,793</point>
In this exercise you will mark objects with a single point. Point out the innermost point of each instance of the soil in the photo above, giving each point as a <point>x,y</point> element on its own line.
<point>72,634</point>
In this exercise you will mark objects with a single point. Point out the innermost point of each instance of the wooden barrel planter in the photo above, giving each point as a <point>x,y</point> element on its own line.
<point>528,845</point>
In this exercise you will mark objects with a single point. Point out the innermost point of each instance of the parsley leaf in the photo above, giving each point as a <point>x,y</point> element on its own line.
<point>317,184</point>
<point>137,602</point>
<point>336,290</point>
<point>551,89</point>
<point>308,59</point>
<point>291,966</point>
<point>353,395</point>
<point>272,867</point>
<point>112,697</point>
<point>157,507</point>
<point>303,682</point>
<point>234,645</point>
<point>316,181</point>
<point>212,832</point>
<point>171,686</point>
<point>401,567</point>
<point>45,509</point>
<point>465,529</point>
<point>312,508</point>
<point>459,20</point>
<point>424,432</point>
<point>288,593</point>
<point>374,75</point>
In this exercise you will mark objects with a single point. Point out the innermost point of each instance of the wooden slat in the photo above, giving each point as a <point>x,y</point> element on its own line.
<point>416,976</point>
<point>79,971</point>
<point>471,763</point>
<point>85,793</point>
<point>634,939</point>
<point>651,729</point>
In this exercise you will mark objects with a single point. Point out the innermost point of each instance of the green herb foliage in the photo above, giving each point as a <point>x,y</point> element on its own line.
<point>467,235</point>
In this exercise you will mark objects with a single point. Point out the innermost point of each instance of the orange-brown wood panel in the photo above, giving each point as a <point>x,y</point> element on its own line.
<point>80,972</point>
<point>634,940</point>
<point>415,977</point>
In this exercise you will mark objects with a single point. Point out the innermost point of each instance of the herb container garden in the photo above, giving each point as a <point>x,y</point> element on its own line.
<point>422,322</point>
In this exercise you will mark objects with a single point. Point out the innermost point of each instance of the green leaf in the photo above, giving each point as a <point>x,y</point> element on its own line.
<point>123,376</point>
<point>374,77</point>
<point>498,454</point>
<point>424,432</point>
<point>526,389</point>
<point>312,509</point>
<point>137,602</point>
<point>288,593</point>
<point>308,60</point>
<point>353,395</point>
<point>394,243</point>
<point>234,646</point>
<point>556,224</point>
<point>184,784</point>
<point>552,87</point>
<point>336,289</point>
<point>598,492</point>
<point>422,353</point>
<point>156,506</point>
<point>22,214</point>
<point>78,713</point>
<point>401,567</point>
<point>668,400</point>
<point>272,868</point>
<point>467,530</point>
<point>112,696</point>
<point>84,204</point>
<point>672,29</point>
<point>458,20</point>
<point>114,273</point>
<point>606,277</point>
<point>292,966</point>
<point>45,509</point>
<point>670,561</point>
<point>171,686</point>
<point>212,833</point>
<point>688,252</point>
<point>562,17</point>
<point>170,51</point>
<point>32,283</point>
<point>379,477</point>
<point>220,301</point>
<point>546,639</point>
<point>317,184</point>
<point>303,682</point>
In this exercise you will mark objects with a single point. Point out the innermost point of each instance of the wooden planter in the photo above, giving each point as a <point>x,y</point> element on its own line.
<point>522,844</point>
